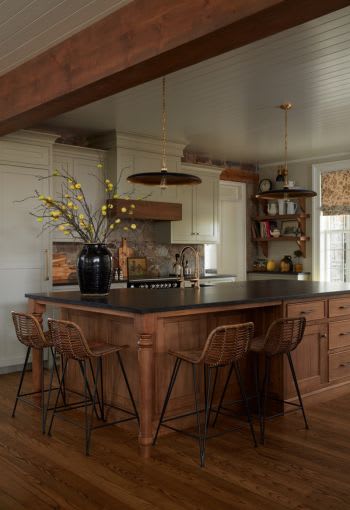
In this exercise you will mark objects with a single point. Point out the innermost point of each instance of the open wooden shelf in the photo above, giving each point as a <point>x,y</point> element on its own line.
<point>278,217</point>
<point>301,216</point>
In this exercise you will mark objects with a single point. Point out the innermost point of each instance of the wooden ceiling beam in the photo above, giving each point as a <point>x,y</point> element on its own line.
<point>141,41</point>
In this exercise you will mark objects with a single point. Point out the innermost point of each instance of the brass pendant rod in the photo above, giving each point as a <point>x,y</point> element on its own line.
<point>285,107</point>
<point>164,119</point>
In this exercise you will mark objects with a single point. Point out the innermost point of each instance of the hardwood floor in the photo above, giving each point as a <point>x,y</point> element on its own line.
<point>296,469</point>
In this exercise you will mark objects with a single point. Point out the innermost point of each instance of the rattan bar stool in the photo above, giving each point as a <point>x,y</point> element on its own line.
<point>29,332</point>
<point>69,340</point>
<point>282,337</point>
<point>225,346</point>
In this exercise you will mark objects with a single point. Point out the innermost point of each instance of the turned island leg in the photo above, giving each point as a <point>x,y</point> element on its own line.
<point>146,381</point>
<point>36,309</point>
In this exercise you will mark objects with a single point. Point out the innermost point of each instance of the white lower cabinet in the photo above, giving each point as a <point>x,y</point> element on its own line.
<point>199,208</point>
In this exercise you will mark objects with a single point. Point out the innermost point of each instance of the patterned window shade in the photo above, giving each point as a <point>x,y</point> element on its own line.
<point>335,192</point>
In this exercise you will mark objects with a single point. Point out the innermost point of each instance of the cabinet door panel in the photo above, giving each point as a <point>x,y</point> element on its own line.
<point>184,231</point>
<point>339,307</point>
<point>339,365</point>
<point>311,310</point>
<point>85,171</point>
<point>310,360</point>
<point>207,210</point>
<point>23,260</point>
<point>339,334</point>
<point>131,162</point>
<point>20,232</point>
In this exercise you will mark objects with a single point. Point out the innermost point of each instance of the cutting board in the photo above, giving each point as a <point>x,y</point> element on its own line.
<point>123,253</point>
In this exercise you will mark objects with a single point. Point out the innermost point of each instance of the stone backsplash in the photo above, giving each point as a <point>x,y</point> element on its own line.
<point>160,257</point>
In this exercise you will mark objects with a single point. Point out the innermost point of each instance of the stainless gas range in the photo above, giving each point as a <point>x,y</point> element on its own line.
<point>154,283</point>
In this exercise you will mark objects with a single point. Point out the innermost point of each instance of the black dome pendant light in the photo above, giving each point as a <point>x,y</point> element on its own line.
<point>286,191</point>
<point>164,178</point>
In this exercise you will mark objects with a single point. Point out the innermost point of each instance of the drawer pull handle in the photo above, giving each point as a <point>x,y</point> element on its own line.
<point>345,333</point>
<point>346,364</point>
<point>343,307</point>
<point>305,312</point>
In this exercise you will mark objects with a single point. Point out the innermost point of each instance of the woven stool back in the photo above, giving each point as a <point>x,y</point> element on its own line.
<point>69,339</point>
<point>29,331</point>
<point>227,344</point>
<point>284,335</point>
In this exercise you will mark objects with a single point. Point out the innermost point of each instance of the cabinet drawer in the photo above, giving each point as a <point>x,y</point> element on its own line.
<point>311,310</point>
<point>339,365</point>
<point>339,307</point>
<point>339,334</point>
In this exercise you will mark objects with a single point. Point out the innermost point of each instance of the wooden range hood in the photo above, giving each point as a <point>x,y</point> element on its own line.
<point>146,210</point>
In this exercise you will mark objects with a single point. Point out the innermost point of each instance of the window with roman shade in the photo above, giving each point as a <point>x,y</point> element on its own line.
<point>335,192</point>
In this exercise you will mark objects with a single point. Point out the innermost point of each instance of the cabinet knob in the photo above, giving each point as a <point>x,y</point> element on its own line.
<point>346,364</point>
<point>193,233</point>
<point>323,335</point>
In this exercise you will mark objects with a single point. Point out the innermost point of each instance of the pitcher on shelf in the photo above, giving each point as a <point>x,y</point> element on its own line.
<point>272,208</point>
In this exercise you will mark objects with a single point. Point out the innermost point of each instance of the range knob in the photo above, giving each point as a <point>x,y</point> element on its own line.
<point>174,285</point>
<point>153,286</point>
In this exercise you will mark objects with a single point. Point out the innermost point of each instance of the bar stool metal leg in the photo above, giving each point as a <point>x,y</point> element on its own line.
<point>21,381</point>
<point>88,420</point>
<point>128,386</point>
<point>94,379</point>
<point>245,400</point>
<point>42,396</point>
<point>223,395</point>
<point>265,390</point>
<point>257,388</point>
<point>167,397</point>
<point>58,396</point>
<point>208,399</point>
<point>297,388</point>
<point>82,365</point>
<point>197,411</point>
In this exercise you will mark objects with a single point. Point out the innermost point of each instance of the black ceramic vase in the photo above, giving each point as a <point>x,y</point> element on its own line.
<point>94,268</point>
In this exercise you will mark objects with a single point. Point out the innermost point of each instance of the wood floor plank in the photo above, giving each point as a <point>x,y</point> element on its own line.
<point>295,470</point>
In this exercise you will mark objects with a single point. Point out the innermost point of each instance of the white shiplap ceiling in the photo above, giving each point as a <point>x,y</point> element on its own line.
<point>29,27</point>
<point>226,106</point>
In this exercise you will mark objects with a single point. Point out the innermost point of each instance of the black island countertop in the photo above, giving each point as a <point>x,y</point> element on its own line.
<point>144,301</point>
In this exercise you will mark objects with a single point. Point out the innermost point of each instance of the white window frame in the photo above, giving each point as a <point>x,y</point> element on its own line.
<point>317,170</point>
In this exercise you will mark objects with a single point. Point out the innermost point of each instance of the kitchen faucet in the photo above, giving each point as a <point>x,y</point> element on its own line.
<point>195,280</point>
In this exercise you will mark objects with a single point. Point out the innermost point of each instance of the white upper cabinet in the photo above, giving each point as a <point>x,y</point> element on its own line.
<point>199,208</point>
<point>138,154</point>
<point>81,163</point>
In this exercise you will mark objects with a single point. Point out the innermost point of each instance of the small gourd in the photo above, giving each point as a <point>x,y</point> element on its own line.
<point>286,264</point>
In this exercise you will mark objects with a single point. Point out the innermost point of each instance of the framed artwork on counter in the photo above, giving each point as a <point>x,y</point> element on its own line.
<point>137,267</point>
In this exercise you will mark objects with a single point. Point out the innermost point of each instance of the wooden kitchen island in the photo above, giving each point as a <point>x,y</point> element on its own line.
<point>153,321</point>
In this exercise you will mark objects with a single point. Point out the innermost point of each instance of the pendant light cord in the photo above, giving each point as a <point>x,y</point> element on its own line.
<point>285,107</point>
<point>285,147</point>
<point>164,119</point>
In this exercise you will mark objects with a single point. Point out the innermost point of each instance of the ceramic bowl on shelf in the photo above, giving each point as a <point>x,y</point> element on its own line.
<point>275,232</point>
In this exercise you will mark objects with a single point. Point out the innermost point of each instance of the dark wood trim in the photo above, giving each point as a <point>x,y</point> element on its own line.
<point>146,210</point>
<point>140,42</point>
<point>239,175</point>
